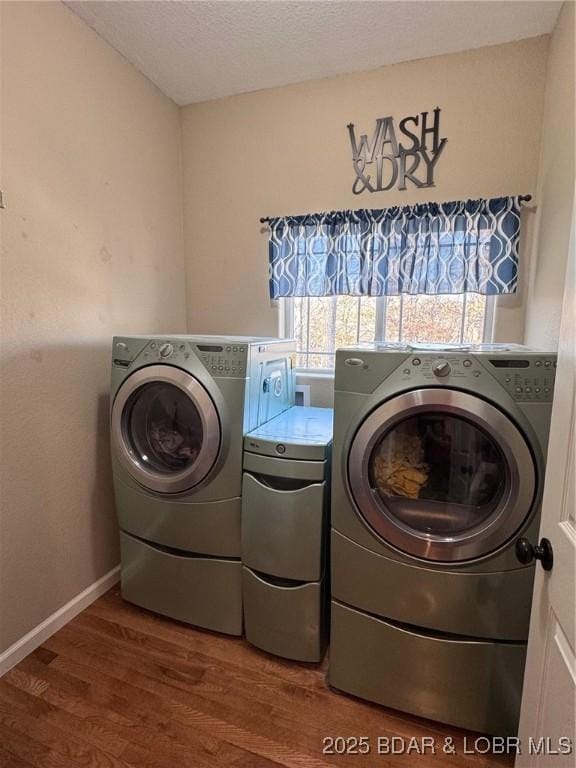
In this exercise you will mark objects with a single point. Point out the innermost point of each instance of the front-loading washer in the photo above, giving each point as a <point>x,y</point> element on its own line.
<point>441,457</point>
<point>180,407</point>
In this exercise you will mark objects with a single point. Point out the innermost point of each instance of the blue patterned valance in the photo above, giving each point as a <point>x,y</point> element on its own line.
<point>431,248</point>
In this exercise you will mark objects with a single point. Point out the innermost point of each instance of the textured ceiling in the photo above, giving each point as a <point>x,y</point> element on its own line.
<point>204,49</point>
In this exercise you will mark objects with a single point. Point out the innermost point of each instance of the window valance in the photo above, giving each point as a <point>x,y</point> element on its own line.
<point>430,248</point>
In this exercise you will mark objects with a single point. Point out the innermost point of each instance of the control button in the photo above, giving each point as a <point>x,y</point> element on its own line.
<point>416,361</point>
<point>441,369</point>
<point>546,389</point>
<point>519,389</point>
<point>166,350</point>
<point>280,448</point>
<point>507,379</point>
<point>536,389</point>
<point>476,374</point>
<point>220,368</point>
<point>407,370</point>
<point>234,349</point>
<point>152,346</point>
<point>527,389</point>
<point>538,363</point>
<point>121,345</point>
<point>547,364</point>
<point>467,363</point>
<point>228,349</point>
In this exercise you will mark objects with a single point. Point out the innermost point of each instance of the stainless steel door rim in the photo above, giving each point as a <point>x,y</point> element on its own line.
<point>512,509</point>
<point>211,438</point>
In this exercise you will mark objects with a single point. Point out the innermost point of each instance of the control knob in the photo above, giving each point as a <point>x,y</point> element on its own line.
<point>441,369</point>
<point>166,350</point>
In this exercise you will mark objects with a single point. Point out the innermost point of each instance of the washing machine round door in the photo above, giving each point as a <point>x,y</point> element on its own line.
<point>441,475</point>
<point>165,429</point>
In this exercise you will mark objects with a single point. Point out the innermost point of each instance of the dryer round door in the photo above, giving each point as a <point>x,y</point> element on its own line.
<point>441,475</point>
<point>165,429</point>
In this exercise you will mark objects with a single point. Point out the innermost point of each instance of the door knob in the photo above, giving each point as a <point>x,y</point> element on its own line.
<point>525,552</point>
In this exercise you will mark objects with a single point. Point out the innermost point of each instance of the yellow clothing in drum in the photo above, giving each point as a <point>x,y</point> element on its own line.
<point>399,467</point>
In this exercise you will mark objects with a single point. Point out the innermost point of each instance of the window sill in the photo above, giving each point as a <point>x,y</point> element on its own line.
<point>314,373</point>
<point>315,386</point>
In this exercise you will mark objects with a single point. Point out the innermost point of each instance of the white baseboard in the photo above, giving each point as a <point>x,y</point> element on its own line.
<point>21,648</point>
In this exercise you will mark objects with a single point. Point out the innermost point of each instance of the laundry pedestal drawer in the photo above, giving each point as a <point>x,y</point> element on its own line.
<point>285,523</point>
<point>283,528</point>
<point>206,592</point>
<point>468,683</point>
<point>285,618</point>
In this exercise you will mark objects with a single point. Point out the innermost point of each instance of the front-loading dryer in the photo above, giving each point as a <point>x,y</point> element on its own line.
<point>180,406</point>
<point>441,457</point>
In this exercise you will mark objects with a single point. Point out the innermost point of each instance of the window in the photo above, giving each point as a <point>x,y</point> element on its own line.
<point>321,325</point>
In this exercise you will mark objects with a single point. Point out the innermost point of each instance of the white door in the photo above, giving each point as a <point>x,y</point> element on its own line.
<point>548,702</point>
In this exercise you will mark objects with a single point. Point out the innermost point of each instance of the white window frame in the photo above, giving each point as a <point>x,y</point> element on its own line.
<point>286,325</point>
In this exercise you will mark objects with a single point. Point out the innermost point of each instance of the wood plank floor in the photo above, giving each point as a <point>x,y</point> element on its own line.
<point>119,686</point>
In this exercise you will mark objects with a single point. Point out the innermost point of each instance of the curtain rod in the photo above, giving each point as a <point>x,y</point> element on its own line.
<point>521,199</point>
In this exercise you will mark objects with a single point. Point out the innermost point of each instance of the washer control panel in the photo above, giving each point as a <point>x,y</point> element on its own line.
<point>527,379</point>
<point>219,359</point>
<point>167,351</point>
<point>224,359</point>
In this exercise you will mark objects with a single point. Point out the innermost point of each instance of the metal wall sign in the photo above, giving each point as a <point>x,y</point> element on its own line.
<point>397,156</point>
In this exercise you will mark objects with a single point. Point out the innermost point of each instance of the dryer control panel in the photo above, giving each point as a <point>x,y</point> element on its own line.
<point>527,379</point>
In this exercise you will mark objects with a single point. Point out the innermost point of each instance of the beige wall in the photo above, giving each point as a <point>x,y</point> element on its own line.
<point>92,245</point>
<point>286,151</point>
<point>555,188</point>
